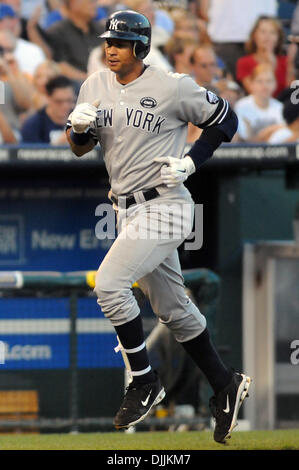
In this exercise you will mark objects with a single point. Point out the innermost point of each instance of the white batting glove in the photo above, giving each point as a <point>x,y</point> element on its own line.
<point>82,117</point>
<point>175,170</point>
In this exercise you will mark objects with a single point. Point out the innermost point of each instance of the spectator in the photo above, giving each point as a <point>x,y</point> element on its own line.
<point>179,52</point>
<point>28,55</point>
<point>43,73</point>
<point>289,132</point>
<point>47,125</point>
<point>73,38</point>
<point>7,16</point>
<point>265,46</point>
<point>259,113</point>
<point>17,87</point>
<point>186,25</point>
<point>205,68</point>
<point>229,23</point>
<point>16,5</point>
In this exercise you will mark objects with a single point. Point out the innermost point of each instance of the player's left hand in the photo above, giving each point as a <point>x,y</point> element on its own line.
<point>175,170</point>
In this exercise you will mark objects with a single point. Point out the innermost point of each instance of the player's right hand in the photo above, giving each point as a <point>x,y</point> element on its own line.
<point>82,116</point>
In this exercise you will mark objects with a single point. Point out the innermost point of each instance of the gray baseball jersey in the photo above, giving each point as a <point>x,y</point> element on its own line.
<point>135,125</point>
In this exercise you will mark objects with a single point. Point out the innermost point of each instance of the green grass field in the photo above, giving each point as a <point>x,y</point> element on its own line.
<point>251,440</point>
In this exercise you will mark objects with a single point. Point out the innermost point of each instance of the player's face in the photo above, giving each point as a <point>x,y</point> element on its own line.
<point>120,57</point>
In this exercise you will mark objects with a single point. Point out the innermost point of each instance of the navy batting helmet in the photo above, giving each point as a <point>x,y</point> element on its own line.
<point>131,26</point>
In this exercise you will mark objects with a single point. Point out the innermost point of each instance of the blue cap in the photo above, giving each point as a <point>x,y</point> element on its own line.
<point>6,11</point>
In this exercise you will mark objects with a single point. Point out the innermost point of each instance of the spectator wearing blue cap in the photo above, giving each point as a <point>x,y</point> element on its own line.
<point>16,5</point>
<point>7,16</point>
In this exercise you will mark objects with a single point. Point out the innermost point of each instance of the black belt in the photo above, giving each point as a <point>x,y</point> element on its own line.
<point>130,200</point>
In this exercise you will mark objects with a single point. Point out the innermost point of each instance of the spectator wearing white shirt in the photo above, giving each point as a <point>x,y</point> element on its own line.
<point>259,113</point>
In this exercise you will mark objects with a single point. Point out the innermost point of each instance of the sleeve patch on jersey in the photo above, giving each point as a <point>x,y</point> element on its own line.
<point>212,98</point>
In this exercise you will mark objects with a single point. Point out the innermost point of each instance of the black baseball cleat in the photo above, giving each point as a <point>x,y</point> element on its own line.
<point>226,404</point>
<point>137,403</point>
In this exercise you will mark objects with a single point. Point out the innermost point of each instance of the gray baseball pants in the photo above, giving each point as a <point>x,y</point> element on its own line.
<point>145,251</point>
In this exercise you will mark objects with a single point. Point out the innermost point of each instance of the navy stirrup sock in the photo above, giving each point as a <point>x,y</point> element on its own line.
<point>208,360</point>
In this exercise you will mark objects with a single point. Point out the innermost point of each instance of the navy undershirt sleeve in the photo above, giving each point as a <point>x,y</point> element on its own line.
<point>211,138</point>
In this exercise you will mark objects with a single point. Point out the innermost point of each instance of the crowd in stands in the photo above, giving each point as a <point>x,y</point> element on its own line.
<point>245,51</point>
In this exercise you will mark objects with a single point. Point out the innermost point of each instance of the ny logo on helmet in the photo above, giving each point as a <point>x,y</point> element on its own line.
<point>113,24</point>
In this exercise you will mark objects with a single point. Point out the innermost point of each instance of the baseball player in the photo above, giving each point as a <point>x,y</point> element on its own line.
<point>139,115</point>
